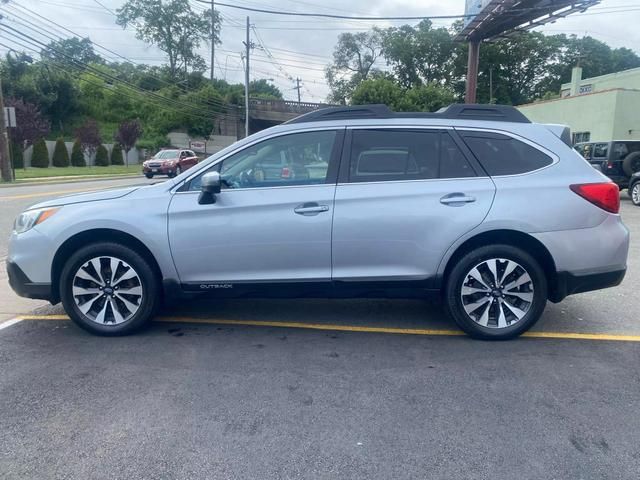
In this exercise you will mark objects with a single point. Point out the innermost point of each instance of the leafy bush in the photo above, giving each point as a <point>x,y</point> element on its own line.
<point>18,156</point>
<point>60,154</point>
<point>40,157</point>
<point>77,155</point>
<point>102,156</point>
<point>116,155</point>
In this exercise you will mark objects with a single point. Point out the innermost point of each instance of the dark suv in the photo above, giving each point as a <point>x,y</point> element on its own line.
<point>619,160</point>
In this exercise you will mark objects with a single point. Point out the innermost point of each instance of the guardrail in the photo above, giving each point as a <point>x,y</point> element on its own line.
<point>284,105</point>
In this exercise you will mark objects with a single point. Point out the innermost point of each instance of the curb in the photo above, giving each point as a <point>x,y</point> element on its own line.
<point>72,179</point>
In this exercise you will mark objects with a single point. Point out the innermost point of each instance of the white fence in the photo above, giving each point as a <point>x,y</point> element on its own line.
<point>134,154</point>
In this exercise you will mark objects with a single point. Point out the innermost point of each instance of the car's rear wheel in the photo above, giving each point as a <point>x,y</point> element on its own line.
<point>496,292</point>
<point>178,170</point>
<point>631,163</point>
<point>634,192</point>
<point>109,289</point>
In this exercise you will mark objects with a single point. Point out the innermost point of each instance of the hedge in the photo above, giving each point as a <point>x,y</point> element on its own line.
<point>77,156</point>
<point>102,157</point>
<point>18,156</point>
<point>116,155</point>
<point>40,157</point>
<point>60,154</point>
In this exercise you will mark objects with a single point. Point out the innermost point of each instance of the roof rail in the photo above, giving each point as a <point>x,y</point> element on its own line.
<point>459,111</point>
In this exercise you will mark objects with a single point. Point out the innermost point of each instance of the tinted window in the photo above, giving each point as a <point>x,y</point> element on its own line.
<point>386,155</point>
<point>503,155</point>
<point>600,150</point>
<point>296,159</point>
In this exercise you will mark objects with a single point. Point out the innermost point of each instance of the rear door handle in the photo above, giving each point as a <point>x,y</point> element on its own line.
<point>311,208</point>
<point>457,199</point>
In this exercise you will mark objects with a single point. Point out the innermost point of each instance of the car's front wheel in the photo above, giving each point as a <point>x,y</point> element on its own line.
<point>634,193</point>
<point>148,175</point>
<point>109,289</point>
<point>496,292</point>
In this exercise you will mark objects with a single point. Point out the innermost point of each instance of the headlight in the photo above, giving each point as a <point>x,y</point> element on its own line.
<point>29,219</point>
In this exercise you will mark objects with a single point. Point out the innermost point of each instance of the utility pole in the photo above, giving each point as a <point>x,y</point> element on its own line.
<point>491,84</point>
<point>5,160</point>
<point>298,87</point>
<point>247,44</point>
<point>213,36</point>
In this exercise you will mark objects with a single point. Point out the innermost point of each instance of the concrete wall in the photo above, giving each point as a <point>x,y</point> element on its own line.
<point>627,124</point>
<point>214,144</point>
<point>134,154</point>
<point>625,79</point>
<point>595,113</point>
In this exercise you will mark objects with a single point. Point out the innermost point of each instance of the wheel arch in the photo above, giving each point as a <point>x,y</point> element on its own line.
<point>97,235</point>
<point>516,239</point>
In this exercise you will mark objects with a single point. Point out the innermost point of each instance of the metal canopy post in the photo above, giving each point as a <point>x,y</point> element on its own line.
<point>472,71</point>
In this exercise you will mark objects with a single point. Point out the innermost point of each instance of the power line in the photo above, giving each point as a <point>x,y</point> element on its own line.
<point>212,102</point>
<point>177,105</point>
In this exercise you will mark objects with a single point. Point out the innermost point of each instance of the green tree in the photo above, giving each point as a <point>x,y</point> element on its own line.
<point>420,54</point>
<point>60,154</point>
<point>173,27</point>
<point>116,155</point>
<point>354,57</point>
<point>422,98</point>
<point>77,155</point>
<point>376,91</point>
<point>71,49</point>
<point>40,154</point>
<point>102,157</point>
<point>263,89</point>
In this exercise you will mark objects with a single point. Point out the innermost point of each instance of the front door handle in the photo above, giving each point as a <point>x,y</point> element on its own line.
<point>457,199</point>
<point>310,208</point>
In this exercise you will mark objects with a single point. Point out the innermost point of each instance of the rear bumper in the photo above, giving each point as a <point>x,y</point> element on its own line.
<point>23,286</point>
<point>569,284</point>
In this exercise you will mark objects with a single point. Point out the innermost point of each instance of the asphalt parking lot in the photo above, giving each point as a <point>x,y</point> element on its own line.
<point>322,389</point>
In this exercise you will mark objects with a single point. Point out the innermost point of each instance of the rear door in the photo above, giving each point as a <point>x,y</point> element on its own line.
<point>404,197</point>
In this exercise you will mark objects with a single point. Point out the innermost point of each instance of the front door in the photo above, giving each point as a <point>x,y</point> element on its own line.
<point>266,225</point>
<point>403,198</point>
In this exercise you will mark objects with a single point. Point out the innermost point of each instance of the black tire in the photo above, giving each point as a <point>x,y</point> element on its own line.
<point>631,163</point>
<point>148,280</point>
<point>634,193</point>
<point>148,175</point>
<point>178,170</point>
<point>458,275</point>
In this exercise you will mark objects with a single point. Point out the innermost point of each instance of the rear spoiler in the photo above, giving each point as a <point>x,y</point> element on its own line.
<point>563,132</point>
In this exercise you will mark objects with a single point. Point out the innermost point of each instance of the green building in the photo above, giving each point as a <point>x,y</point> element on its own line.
<point>597,109</point>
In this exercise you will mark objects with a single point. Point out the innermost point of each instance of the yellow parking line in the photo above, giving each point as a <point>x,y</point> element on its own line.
<point>44,194</point>
<point>368,329</point>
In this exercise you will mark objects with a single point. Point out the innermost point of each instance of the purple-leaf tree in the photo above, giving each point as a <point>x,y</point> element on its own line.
<point>127,135</point>
<point>30,124</point>
<point>89,136</point>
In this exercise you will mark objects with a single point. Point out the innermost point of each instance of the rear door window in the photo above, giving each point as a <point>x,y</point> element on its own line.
<point>601,150</point>
<point>503,155</point>
<point>392,155</point>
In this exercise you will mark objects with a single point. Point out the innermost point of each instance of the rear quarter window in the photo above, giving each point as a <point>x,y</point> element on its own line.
<point>503,155</point>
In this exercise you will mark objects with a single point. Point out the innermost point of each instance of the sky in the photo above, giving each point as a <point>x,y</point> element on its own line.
<point>291,47</point>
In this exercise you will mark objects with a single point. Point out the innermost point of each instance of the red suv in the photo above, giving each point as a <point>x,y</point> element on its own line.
<point>169,162</point>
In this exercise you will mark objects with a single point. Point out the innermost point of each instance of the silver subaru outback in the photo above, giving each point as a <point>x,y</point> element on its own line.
<point>475,204</point>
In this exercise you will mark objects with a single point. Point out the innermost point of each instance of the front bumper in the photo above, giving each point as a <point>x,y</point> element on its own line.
<point>23,286</point>
<point>163,170</point>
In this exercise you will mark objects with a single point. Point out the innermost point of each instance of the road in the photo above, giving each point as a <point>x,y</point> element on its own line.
<point>348,389</point>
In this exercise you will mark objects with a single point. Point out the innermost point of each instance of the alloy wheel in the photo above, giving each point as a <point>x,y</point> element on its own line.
<point>635,194</point>
<point>107,290</point>
<point>497,293</point>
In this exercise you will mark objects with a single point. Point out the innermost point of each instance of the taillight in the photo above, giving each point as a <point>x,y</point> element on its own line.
<point>285,173</point>
<point>604,195</point>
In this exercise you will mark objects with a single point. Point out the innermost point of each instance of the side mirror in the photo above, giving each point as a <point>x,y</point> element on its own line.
<point>210,185</point>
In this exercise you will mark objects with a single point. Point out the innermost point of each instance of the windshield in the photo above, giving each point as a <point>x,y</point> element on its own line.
<point>166,155</point>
